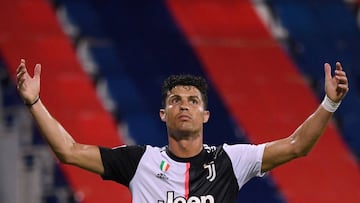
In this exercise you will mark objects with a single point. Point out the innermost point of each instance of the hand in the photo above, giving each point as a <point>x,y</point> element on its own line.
<point>28,87</point>
<point>335,87</point>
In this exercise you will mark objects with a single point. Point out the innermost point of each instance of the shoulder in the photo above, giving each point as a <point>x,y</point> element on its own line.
<point>245,154</point>
<point>123,150</point>
<point>243,148</point>
<point>215,152</point>
<point>235,152</point>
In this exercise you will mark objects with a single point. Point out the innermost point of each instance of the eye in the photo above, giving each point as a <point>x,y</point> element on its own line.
<point>194,101</point>
<point>174,100</point>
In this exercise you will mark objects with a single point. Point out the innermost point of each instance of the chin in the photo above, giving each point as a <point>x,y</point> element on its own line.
<point>184,133</point>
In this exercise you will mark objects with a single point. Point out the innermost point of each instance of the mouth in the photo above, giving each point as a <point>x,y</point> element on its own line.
<point>184,117</point>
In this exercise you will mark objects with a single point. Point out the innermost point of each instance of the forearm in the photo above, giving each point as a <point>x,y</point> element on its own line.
<point>55,135</point>
<point>297,144</point>
<point>309,132</point>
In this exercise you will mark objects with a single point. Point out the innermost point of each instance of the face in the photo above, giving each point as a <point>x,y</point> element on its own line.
<point>184,111</point>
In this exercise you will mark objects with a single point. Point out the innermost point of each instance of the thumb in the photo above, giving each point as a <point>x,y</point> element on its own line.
<point>37,71</point>
<point>327,70</point>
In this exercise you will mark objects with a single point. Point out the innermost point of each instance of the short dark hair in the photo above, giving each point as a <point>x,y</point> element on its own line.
<point>184,80</point>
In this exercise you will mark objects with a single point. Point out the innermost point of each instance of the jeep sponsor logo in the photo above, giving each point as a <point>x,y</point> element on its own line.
<point>193,199</point>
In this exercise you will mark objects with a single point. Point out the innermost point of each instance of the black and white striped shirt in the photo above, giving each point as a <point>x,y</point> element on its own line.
<point>155,175</point>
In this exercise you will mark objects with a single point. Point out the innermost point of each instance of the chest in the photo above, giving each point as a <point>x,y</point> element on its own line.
<point>167,178</point>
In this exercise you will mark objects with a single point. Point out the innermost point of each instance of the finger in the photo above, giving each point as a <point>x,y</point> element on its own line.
<point>340,72</point>
<point>342,89</point>
<point>342,79</point>
<point>338,66</point>
<point>343,86</point>
<point>21,72</point>
<point>21,69</point>
<point>20,84</point>
<point>37,71</point>
<point>327,70</point>
<point>21,80</point>
<point>21,65</point>
<point>20,75</point>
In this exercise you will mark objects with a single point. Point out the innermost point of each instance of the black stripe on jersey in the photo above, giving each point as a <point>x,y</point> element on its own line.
<point>120,163</point>
<point>211,173</point>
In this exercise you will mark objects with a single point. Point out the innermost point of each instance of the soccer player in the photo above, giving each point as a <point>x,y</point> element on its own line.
<point>186,170</point>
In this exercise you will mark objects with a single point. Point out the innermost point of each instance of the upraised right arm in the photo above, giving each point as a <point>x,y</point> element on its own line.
<point>66,149</point>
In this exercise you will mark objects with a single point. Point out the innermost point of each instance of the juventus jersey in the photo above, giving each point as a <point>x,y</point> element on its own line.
<point>155,175</point>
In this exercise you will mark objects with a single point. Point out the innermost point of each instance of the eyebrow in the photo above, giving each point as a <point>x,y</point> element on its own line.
<point>194,97</point>
<point>189,97</point>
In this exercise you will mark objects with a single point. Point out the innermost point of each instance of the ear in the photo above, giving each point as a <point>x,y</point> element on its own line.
<point>162,114</point>
<point>206,116</point>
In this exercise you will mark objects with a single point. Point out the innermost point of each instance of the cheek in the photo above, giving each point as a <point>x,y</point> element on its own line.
<point>200,113</point>
<point>169,111</point>
<point>200,108</point>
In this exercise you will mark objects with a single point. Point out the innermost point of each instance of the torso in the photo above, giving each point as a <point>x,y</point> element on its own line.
<point>208,177</point>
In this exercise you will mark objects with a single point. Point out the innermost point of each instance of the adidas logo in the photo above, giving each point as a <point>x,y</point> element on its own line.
<point>162,176</point>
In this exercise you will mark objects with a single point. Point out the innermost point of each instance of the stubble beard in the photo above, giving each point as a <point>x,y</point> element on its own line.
<point>183,134</point>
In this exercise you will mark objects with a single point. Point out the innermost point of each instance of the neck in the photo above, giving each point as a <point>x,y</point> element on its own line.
<point>186,148</point>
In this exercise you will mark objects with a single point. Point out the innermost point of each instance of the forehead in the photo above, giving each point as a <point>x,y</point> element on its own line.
<point>184,90</point>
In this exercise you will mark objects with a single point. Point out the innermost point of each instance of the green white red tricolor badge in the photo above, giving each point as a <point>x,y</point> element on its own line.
<point>164,166</point>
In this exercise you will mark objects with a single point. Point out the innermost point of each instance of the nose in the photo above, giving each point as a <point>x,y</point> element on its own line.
<point>184,106</point>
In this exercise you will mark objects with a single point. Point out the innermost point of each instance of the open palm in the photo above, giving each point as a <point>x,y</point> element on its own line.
<point>335,87</point>
<point>28,87</point>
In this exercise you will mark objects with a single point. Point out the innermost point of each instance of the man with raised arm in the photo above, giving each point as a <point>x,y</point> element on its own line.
<point>186,170</point>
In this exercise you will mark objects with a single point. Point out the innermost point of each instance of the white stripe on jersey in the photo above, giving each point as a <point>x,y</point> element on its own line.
<point>245,153</point>
<point>150,182</point>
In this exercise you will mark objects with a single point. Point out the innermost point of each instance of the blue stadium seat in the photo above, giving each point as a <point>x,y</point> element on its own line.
<point>84,16</point>
<point>126,95</point>
<point>147,128</point>
<point>351,129</point>
<point>107,60</point>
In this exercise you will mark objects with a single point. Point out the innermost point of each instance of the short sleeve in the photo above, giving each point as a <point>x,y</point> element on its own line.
<point>120,163</point>
<point>246,160</point>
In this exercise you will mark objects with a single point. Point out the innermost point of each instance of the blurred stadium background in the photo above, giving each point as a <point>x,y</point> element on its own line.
<point>104,61</point>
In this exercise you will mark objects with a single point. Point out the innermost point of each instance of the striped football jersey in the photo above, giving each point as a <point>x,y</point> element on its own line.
<point>155,175</point>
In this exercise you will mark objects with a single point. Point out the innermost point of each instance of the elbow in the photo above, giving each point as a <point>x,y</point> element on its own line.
<point>298,148</point>
<point>300,151</point>
<point>65,157</point>
<point>66,154</point>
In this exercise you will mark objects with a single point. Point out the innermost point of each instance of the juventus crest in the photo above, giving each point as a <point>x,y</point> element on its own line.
<point>211,169</point>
